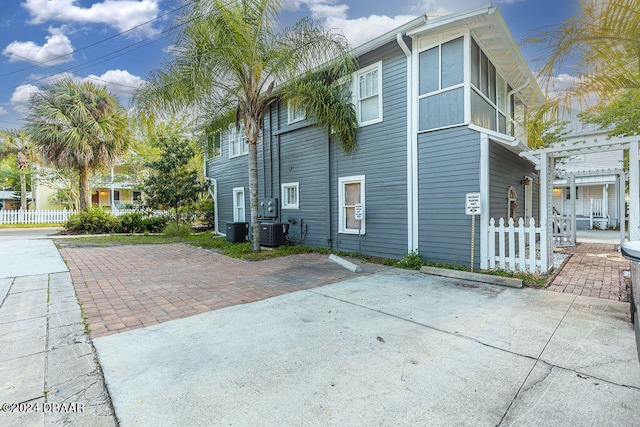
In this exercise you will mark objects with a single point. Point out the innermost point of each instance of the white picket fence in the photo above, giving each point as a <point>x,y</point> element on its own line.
<point>513,247</point>
<point>46,216</point>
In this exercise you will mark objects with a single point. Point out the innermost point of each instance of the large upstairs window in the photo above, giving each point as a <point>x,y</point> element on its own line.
<point>441,85</point>
<point>490,103</point>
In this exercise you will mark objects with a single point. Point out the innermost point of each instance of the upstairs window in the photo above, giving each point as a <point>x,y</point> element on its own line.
<point>295,115</point>
<point>441,80</point>
<point>214,145</point>
<point>368,96</point>
<point>490,105</point>
<point>238,145</point>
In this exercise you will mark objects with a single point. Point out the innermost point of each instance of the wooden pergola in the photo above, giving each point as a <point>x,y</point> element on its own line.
<point>544,159</point>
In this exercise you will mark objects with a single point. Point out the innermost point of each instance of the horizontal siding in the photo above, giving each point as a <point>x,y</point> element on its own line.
<point>381,157</point>
<point>449,167</point>
<point>507,169</point>
<point>306,164</point>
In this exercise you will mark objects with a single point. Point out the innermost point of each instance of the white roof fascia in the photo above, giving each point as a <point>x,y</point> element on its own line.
<point>424,22</point>
<point>513,144</point>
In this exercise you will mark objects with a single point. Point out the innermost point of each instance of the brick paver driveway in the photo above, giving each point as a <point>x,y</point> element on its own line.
<point>127,287</point>
<point>593,270</point>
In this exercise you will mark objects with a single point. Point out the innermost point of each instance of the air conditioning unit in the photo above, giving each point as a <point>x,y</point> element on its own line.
<point>273,234</point>
<point>237,232</point>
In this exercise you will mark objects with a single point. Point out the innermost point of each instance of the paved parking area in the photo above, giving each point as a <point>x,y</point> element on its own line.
<point>127,287</point>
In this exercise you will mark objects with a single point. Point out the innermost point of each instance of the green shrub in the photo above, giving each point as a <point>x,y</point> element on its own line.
<point>92,221</point>
<point>411,260</point>
<point>154,224</point>
<point>131,223</point>
<point>177,230</point>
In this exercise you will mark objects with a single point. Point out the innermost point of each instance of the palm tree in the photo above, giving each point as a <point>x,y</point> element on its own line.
<point>78,126</point>
<point>16,142</point>
<point>601,45</point>
<point>227,62</point>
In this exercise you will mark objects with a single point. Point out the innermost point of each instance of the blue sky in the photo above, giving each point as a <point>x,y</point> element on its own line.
<point>117,43</point>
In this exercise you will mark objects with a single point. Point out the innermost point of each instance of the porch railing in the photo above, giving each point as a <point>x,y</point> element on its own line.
<point>562,233</point>
<point>513,247</point>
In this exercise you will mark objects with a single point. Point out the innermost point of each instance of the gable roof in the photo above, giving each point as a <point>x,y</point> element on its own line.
<point>490,32</point>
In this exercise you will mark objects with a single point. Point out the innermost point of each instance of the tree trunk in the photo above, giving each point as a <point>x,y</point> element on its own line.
<point>253,195</point>
<point>23,191</point>
<point>85,194</point>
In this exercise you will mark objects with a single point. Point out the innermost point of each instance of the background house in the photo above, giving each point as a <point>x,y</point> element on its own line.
<point>439,101</point>
<point>597,184</point>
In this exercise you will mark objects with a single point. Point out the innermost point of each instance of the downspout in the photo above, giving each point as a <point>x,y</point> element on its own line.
<point>214,196</point>
<point>328,165</point>
<point>412,160</point>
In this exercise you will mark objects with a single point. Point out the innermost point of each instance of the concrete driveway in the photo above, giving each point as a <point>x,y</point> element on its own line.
<point>391,348</point>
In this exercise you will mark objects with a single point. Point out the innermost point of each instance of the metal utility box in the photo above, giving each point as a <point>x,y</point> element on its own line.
<point>273,234</point>
<point>268,208</point>
<point>237,232</point>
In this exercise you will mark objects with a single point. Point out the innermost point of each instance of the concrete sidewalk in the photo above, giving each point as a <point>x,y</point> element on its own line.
<point>391,348</point>
<point>48,367</point>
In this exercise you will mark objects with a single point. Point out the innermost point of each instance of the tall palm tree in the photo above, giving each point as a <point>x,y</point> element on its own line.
<point>601,46</point>
<point>78,126</point>
<point>17,143</point>
<point>227,62</point>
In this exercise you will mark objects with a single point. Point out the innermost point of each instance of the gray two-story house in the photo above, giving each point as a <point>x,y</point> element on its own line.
<point>440,101</point>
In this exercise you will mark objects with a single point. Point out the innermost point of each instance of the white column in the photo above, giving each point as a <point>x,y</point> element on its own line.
<point>545,212</point>
<point>621,208</point>
<point>572,192</point>
<point>634,192</point>
<point>484,200</point>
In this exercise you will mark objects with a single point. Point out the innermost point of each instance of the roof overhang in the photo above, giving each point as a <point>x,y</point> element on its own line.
<point>492,34</point>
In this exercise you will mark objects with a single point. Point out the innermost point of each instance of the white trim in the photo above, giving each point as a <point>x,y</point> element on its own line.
<point>237,136</point>
<point>236,218</point>
<point>484,200</point>
<point>292,118</point>
<point>341,207</point>
<point>412,149</point>
<point>356,92</point>
<point>214,196</point>
<point>283,195</point>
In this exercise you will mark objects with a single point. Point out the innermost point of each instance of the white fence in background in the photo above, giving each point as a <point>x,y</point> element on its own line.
<point>513,247</point>
<point>46,216</point>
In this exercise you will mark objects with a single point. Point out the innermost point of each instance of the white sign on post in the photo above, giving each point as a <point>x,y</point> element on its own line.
<point>358,212</point>
<point>473,206</point>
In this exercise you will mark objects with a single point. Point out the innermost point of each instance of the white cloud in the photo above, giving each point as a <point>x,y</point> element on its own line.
<point>3,111</point>
<point>334,16</point>
<point>56,50</point>
<point>120,14</point>
<point>22,94</point>
<point>361,30</point>
<point>119,82</point>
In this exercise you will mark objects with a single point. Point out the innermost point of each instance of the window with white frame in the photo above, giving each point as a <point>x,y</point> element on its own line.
<point>490,105</point>
<point>368,94</point>
<point>238,204</point>
<point>351,193</point>
<point>441,85</point>
<point>238,145</point>
<point>290,193</point>
<point>295,115</point>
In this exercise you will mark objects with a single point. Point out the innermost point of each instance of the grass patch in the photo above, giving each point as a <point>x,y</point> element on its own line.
<point>413,261</point>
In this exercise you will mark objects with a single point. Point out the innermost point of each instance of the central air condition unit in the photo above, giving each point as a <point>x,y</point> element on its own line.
<point>273,234</point>
<point>237,232</point>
